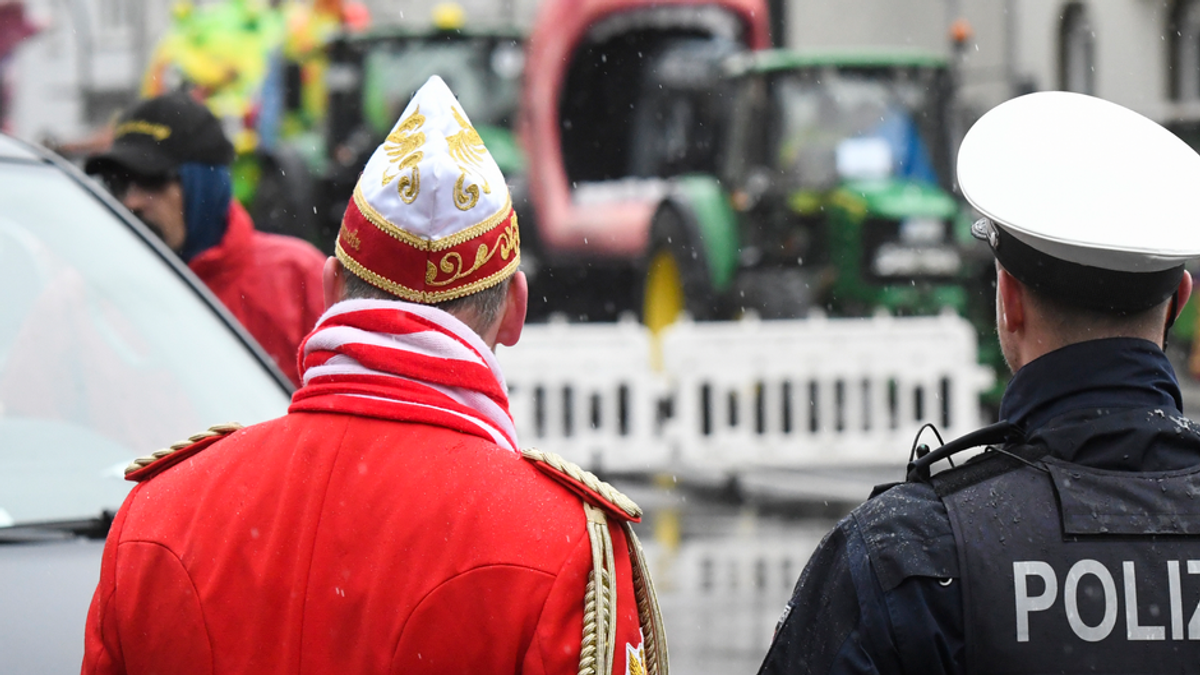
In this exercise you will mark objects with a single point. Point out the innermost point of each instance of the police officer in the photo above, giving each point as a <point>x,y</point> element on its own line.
<point>1071,544</point>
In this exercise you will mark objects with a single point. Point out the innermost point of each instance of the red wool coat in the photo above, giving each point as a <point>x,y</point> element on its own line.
<point>269,282</point>
<point>331,543</point>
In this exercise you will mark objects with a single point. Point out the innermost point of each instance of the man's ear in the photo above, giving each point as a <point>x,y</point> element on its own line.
<point>332,282</point>
<point>1010,295</point>
<point>512,318</point>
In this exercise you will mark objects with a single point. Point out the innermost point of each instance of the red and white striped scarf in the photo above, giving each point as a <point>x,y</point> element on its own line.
<point>406,362</point>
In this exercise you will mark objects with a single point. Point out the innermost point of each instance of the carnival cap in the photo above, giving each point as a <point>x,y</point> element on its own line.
<point>159,134</point>
<point>1083,199</point>
<point>431,219</point>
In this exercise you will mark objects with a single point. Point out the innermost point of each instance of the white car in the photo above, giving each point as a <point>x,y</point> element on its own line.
<point>109,349</point>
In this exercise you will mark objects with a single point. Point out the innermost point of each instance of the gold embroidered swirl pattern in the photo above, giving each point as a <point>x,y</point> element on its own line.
<point>403,148</point>
<point>468,151</point>
<point>452,263</point>
<point>465,199</point>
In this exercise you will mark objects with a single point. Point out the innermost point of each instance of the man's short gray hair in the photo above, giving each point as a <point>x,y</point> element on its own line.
<point>478,310</point>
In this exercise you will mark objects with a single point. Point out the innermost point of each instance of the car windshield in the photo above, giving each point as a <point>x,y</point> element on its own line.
<point>842,123</point>
<point>106,353</point>
<point>483,73</point>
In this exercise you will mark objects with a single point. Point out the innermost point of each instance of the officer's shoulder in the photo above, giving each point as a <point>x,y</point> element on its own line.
<point>986,466</point>
<point>584,484</point>
<point>904,507</point>
<point>145,468</point>
<point>907,534</point>
<point>907,529</point>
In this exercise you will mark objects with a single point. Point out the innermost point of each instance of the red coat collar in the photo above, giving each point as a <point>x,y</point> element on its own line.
<point>239,230</point>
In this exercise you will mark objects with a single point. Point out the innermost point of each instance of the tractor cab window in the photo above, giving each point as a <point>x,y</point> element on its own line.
<point>678,118</point>
<point>483,73</point>
<point>639,98</point>
<point>830,124</point>
<point>746,150</point>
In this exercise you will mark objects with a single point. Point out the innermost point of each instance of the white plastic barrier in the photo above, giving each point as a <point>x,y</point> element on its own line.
<point>789,394</point>
<point>587,392</point>
<point>819,391</point>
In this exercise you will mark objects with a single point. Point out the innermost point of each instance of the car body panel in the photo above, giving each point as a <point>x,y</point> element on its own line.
<point>110,348</point>
<point>52,583</point>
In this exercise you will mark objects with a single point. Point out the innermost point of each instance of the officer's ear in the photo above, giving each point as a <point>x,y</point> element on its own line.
<point>1010,302</point>
<point>1183,292</point>
<point>333,284</point>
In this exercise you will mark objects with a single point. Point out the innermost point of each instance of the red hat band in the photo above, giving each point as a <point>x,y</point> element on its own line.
<point>423,270</point>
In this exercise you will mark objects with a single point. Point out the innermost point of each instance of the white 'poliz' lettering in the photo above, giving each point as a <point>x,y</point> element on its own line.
<point>1071,598</point>
<point>1025,604</point>
<point>1133,629</point>
<point>1194,624</point>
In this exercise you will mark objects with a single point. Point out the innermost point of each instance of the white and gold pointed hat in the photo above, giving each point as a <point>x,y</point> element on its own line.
<point>431,219</point>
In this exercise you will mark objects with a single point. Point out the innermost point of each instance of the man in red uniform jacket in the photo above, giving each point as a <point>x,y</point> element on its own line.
<point>388,523</point>
<point>169,164</point>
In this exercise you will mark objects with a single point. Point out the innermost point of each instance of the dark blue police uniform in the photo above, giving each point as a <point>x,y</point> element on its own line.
<point>1075,549</point>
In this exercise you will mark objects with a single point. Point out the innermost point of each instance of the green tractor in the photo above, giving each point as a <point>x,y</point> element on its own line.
<point>831,189</point>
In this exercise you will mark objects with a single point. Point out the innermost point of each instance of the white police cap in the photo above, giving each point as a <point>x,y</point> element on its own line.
<point>1083,199</point>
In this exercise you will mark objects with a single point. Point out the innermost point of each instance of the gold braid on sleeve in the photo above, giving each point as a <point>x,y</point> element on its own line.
<point>649,614</point>
<point>600,600</point>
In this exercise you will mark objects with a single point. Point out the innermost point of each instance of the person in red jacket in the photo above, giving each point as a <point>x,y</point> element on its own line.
<point>169,165</point>
<point>389,523</point>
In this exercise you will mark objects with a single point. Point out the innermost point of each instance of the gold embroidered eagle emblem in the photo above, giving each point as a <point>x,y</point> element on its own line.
<point>403,148</point>
<point>468,151</point>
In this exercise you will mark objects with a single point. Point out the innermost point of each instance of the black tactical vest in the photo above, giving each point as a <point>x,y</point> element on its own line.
<point>1067,569</point>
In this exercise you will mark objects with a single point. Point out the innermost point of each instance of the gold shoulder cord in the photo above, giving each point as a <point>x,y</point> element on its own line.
<point>600,600</point>
<point>215,430</point>
<point>649,614</point>
<point>600,603</point>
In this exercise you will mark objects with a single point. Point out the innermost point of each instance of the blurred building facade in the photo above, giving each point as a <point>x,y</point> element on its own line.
<point>1144,54</point>
<point>83,65</point>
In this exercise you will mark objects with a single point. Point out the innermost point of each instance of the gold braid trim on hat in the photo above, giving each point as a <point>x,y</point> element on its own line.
<point>649,615</point>
<point>215,430</point>
<point>600,602</point>
<point>376,218</point>
<point>452,263</point>
<point>424,297</point>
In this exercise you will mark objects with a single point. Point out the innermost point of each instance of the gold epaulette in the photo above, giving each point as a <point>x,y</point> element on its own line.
<point>584,483</point>
<point>597,651</point>
<point>144,467</point>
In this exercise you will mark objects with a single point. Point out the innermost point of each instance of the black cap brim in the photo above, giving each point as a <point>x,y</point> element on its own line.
<point>144,159</point>
<point>1078,285</point>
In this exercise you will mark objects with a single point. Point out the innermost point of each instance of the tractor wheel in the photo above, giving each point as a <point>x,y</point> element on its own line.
<point>773,293</point>
<point>676,274</point>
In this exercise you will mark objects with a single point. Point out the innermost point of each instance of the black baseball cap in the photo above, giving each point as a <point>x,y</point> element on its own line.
<point>159,134</point>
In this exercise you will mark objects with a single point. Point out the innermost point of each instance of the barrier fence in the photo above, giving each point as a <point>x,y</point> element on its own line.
<point>730,395</point>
